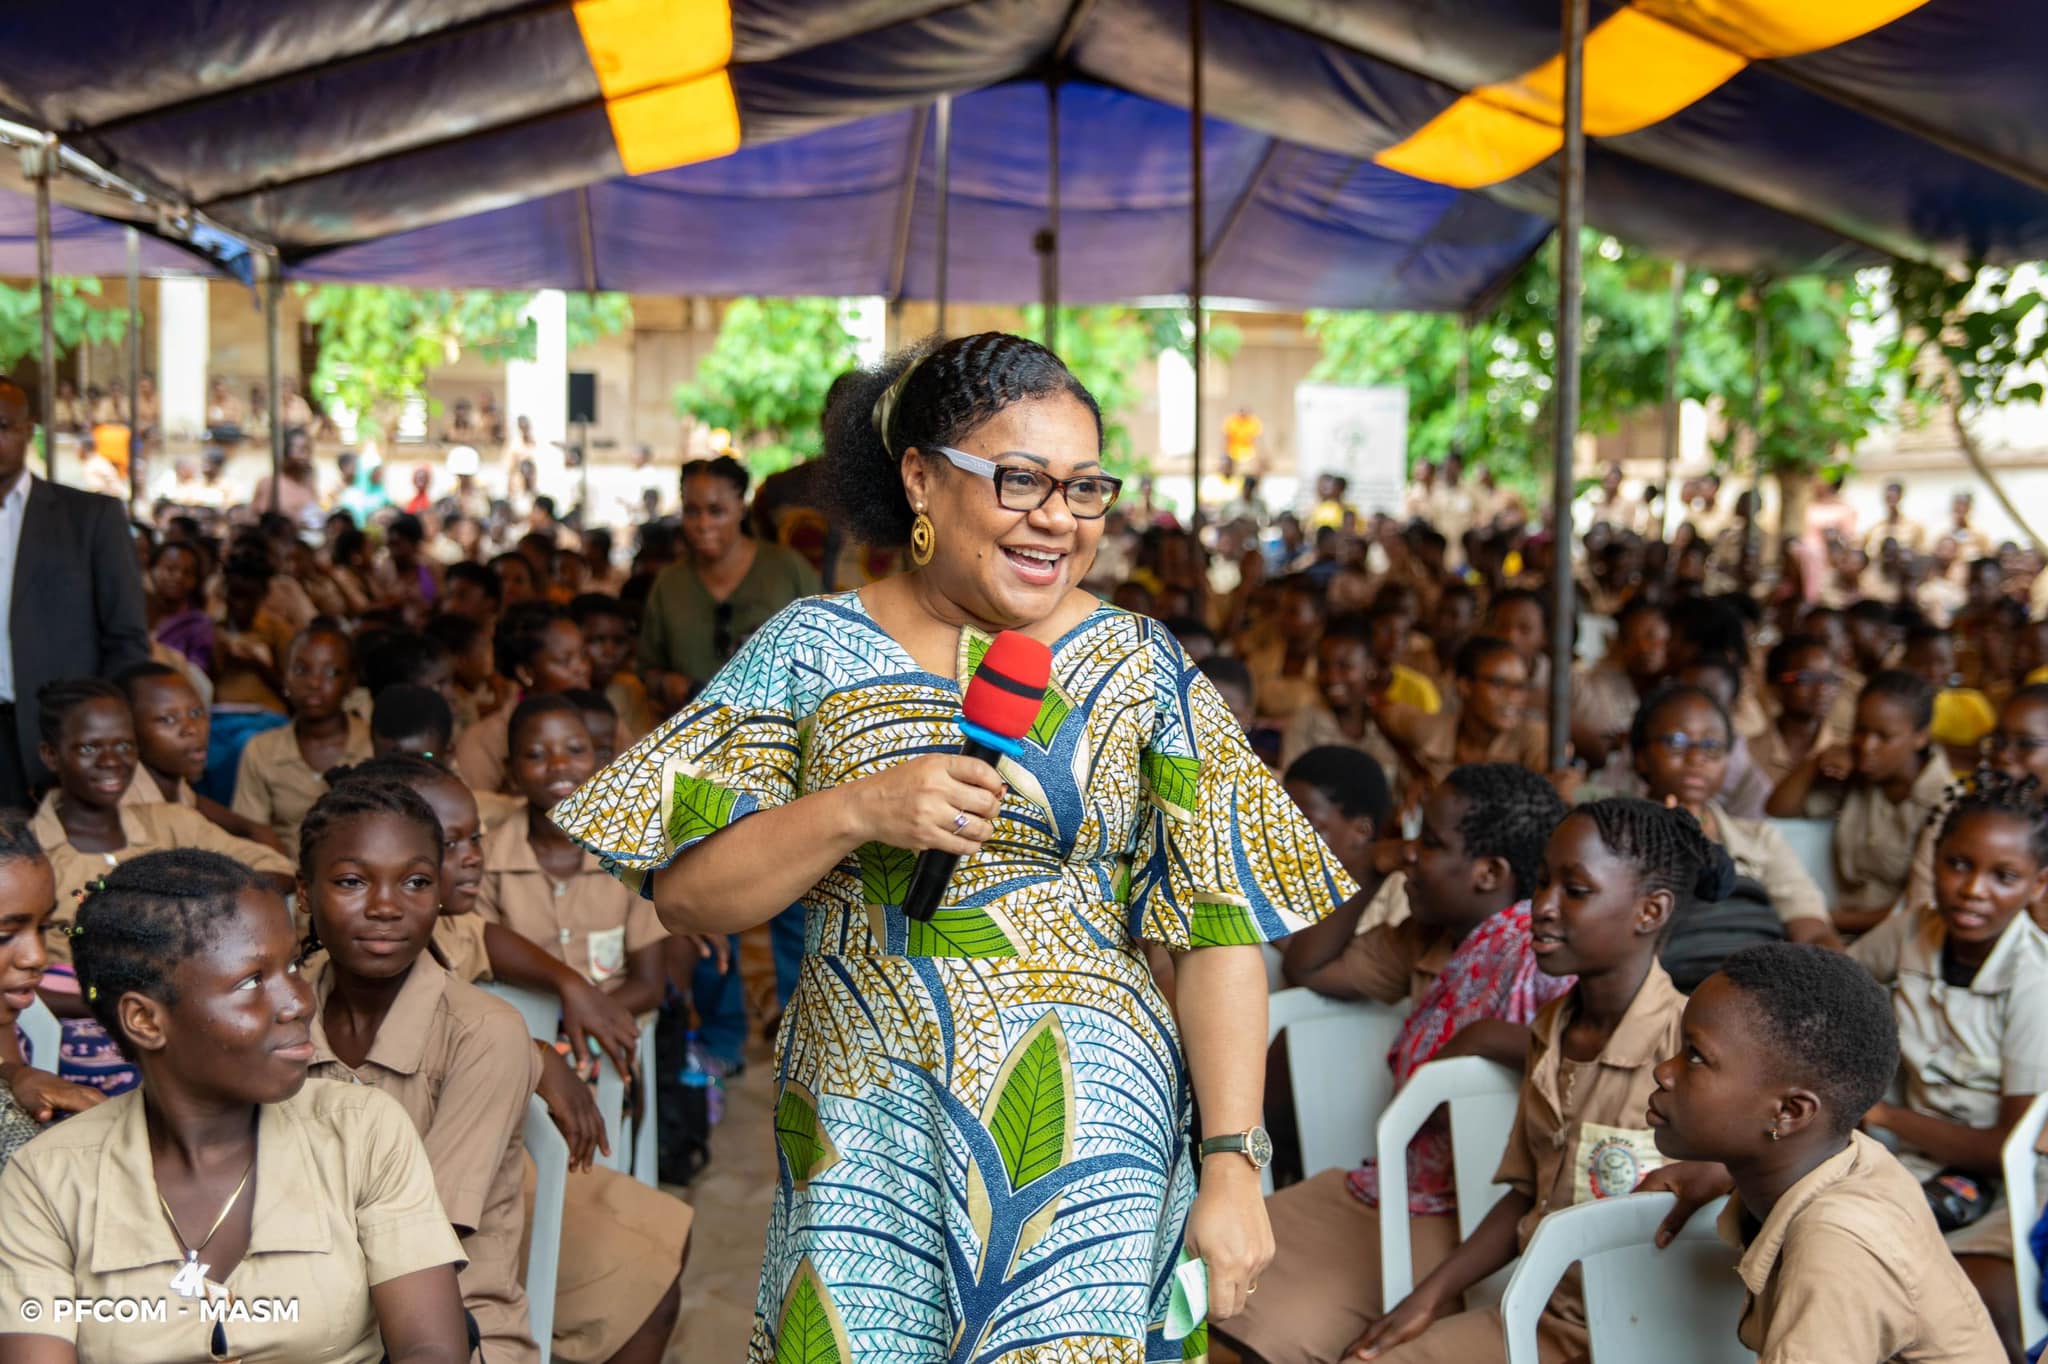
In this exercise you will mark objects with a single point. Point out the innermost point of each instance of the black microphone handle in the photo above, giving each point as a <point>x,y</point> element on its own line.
<point>935,868</point>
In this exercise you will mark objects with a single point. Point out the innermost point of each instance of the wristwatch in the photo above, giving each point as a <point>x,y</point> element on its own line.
<point>1254,1145</point>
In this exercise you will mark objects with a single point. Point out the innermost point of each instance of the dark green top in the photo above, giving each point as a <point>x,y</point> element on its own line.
<point>681,632</point>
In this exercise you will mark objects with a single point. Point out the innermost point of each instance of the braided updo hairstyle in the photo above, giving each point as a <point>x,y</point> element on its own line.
<point>145,917</point>
<point>951,388</point>
<point>1666,847</point>
<point>1990,791</point>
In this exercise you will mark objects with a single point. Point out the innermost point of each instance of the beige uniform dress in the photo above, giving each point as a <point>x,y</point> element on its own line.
<point>148,828</point>
<point>1315,726</point>
<point>274,786</point>
<point>1578,1135</point>
<point>1850,1268</point>
<point>1433,740</point>
<point>1874,837</point>
<point>1761,853</point>
<point>591,921</point>
<point>622,1242</point>
<point>1962,1049</point>
<point>1772,758</point>
<point>461,1065</point>
<point>144,791</point>
<point>1323,1288</point>
<point>344,1201</point>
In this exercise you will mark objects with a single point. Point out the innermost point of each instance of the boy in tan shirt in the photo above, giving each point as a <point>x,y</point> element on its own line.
<point>1784,1050</point>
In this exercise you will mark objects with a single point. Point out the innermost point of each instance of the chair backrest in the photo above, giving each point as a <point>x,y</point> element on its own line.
<point>550,1154</point>
<point>45,1035</point>
<point>1337,1062</point>
<point>646,1157</point>
<point>1813,840</point>
<point>2023,1206</point>
<point>543,1015</point>
<point>1482,1097</point>
<point>1678,1305</point>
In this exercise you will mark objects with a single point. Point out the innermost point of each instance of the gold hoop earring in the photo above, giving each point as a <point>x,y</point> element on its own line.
<point>922,539</point>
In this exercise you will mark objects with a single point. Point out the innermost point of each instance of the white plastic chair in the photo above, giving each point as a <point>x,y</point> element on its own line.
<point>45,1035</point>
<point>550,1152</point>
<point>543,1015</point>
<point>1813,840</point>
<point>1337,1063</point>
<point>1679,1305</point>
<point>2023,1206</point>
<point>1482,1096</point>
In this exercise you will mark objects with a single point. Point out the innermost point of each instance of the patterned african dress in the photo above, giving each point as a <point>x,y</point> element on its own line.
<point>982,1119</point>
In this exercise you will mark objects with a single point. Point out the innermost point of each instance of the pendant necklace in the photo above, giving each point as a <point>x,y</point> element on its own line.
<point>190,1280</point>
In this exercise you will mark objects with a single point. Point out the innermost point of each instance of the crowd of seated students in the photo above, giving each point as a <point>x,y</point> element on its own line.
<point>374,728</point>
<point>268,870</point>
<point>1884,1030</point>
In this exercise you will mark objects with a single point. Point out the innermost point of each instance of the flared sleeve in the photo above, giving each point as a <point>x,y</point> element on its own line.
<point>729,752</point>
<point>1223,856</point>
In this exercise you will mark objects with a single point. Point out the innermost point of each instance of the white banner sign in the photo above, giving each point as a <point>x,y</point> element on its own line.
<point>1361,433</point>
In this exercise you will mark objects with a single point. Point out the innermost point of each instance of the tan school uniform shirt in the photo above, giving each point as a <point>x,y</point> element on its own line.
<point>1850,1268</point>
<point>344,1201</point>
<point>1579,1132</point>
<point>1961,1048</point>
<point>1775,761</point>
<point>459,939</point>
<point>1433,740</point>
<point>148,828</point>
<point>590,921</point>
<point>1394,963</point>
<point>1874,837</point>
<point>460,1064</point>
<point>274,786</point>
<point>145,791</point>
<point>1315,726</point>
<point>1761,853</point>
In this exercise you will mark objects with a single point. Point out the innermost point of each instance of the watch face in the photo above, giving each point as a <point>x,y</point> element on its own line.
<point>1259,1147</point>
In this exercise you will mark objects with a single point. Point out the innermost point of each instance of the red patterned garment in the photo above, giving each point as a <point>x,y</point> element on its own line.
<point>1491,975</point>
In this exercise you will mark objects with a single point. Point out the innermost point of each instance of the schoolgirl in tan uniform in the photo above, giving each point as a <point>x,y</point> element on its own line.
<point>1879,789</point>
<point>171,729</point>
<point>281,769</point>
<point>545,888</point>
<point>228,1174</point>
<point>538,648</point>
<point>461,1064</point>
<point>1783,1052</point>
<point>1615,873</point>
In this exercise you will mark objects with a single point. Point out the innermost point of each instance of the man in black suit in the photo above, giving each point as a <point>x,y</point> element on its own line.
<point>69,590</point>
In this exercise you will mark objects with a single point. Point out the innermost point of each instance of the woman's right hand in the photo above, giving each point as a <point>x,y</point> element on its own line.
<point>916,805</point>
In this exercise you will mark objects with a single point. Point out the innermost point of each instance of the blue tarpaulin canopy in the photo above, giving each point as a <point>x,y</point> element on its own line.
<point>1375,153</point>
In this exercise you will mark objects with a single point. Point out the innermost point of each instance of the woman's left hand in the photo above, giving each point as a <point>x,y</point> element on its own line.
<point>1228,1229</point>
<point>42,1095</point>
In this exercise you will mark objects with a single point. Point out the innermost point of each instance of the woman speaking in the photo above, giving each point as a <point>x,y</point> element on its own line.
<point>983,1117</point>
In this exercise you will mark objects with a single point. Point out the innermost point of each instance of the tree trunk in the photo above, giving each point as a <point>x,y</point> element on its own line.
<point>1952,400</point>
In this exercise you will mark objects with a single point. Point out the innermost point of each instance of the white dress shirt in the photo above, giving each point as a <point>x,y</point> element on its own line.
<point>13,512</point>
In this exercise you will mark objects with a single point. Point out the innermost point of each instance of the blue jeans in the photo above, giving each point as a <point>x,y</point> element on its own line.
<point>721,1008</point>
<point>786,940</point>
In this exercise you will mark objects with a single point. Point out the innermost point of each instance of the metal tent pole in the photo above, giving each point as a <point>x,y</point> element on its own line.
<point>1571,216</point>
<point>273,298</point>
<point>1048,242</point>
<point>1671,353</point>
<point>1195,236</point>
<point>945,140</point>
<point>1747,565</point>
<point>134,366</point>
<point>45,167</point>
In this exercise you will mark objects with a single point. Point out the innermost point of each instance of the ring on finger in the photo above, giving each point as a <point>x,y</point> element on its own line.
<point>960,821</point>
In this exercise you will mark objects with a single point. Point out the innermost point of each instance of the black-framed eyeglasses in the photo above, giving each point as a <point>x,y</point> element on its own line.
<point>721,630</point>
<point>1678,745</point>
<point>2026,745</point>
<point>1089,496</point>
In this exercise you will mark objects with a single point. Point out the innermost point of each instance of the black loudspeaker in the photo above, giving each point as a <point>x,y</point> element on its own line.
<point>582,396</point>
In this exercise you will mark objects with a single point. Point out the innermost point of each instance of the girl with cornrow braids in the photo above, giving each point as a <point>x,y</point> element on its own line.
<point>1615,875</point>
<point>928,1205</point>
<point>227,1172</point>
<point>1969,982</point>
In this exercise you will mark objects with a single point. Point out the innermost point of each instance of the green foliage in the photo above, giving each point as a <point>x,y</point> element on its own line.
<point>1971,339</point>
<point>1818,402</point>
<point>74,319</point>
<point>765,378</point>
<point>378,344</point>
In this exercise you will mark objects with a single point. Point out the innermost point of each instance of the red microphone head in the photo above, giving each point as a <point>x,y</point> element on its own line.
<point>1006,691</point>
